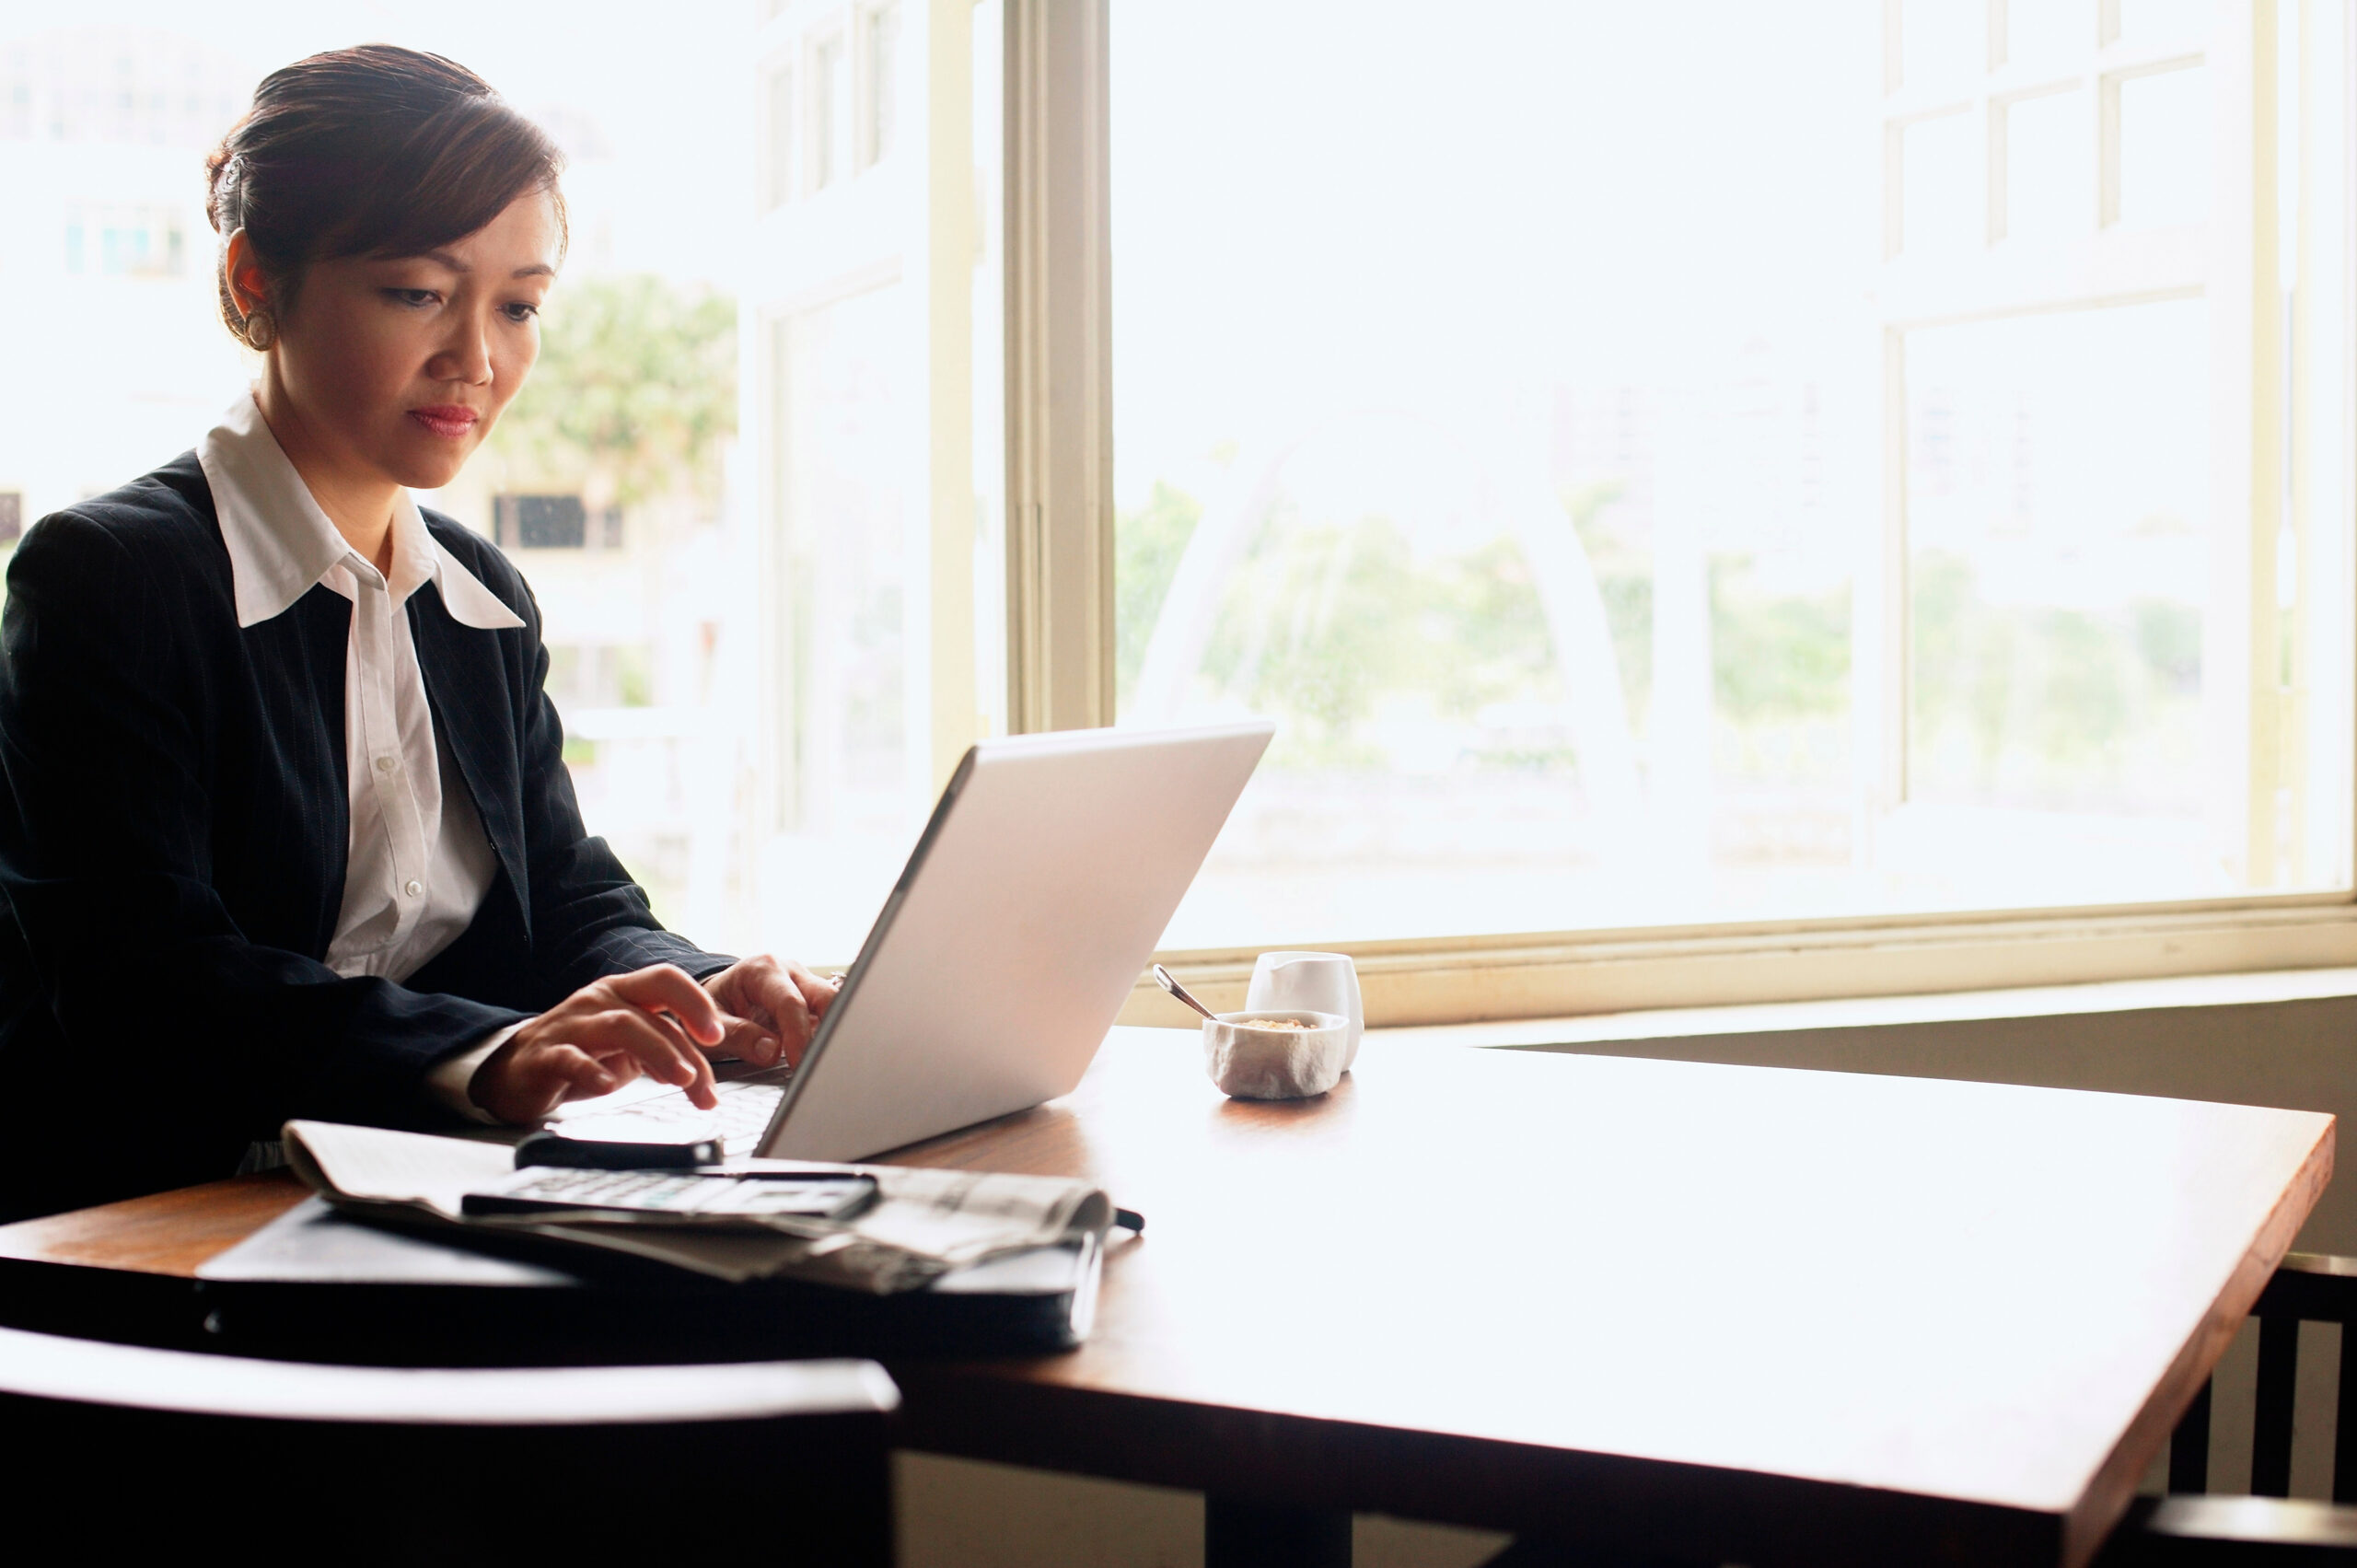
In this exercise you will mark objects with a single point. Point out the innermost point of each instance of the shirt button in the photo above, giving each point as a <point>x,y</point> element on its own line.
<point>384,764</point>
<point>412,886</point>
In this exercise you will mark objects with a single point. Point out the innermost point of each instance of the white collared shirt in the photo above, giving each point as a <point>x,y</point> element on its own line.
<point>420,863</point>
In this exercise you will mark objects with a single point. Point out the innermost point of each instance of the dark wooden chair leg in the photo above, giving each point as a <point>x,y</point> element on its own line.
<point>2344,1436</point>
<point>2270,1442</point>
<point>1239,1534</point>
<point>2190,1447</point>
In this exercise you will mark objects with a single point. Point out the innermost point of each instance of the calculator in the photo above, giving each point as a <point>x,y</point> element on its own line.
<point>685,1195</point>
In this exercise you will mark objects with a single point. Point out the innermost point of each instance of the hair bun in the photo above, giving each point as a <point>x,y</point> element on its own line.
<point>221,171</point>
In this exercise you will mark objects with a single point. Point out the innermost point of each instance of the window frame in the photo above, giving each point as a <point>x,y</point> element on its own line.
<point>1059,626</point>
<point>828,83</point>
<point>778,169</point>
<point>876,85</point>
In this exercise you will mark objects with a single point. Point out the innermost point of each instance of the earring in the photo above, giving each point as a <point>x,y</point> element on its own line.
<point>261,331</point>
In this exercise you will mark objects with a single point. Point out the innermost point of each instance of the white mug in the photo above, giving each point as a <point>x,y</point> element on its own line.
<point>1320,983</point>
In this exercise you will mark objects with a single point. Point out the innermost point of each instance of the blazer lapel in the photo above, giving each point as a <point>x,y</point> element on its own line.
<point>321,625</point>
<point>465,685</point>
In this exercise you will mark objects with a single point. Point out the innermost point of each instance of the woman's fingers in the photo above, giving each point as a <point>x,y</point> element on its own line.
<point>781,996</point>
<point>789,1011</point>
<point>659,1047</point>
<point>819,994</point>
<point>747,1041</point>
<point>577,1075</point>
<point>658,1021</point>
<point>535,1078</point>
<point>666,988</point>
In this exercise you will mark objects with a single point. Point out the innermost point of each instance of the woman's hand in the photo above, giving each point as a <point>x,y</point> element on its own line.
<point>774,1008</point>
<point>653,1021</point>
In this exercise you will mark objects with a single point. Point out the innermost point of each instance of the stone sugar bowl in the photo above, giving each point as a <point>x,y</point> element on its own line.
<point>1290,1054</point>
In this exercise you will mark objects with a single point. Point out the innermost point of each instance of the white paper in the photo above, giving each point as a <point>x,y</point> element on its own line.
<point>385,1166</point>
<point>925,1223</point>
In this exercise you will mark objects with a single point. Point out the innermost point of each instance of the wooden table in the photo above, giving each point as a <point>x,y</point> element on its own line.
<point>1720,1312</point>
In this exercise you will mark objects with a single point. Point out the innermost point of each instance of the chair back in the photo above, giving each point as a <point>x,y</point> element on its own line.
<point>2188,1528</point>
<point>2308,1287</point>
<point>129,1446</point>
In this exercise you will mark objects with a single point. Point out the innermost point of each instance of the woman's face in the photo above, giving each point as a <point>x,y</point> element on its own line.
<point>397,369</point>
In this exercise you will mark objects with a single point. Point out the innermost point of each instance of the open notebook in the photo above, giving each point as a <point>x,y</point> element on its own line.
<point>925,1224</point>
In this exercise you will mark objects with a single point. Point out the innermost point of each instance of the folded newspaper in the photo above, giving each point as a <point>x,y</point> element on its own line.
<point>923,1224</point>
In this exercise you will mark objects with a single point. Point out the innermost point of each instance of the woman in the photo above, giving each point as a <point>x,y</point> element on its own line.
<point>287,830</point>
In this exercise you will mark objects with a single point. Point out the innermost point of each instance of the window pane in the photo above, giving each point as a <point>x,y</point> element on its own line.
<point>2049,168</point>
<point>829,109</point>
<point>2145,23</point>
<point>2058,481</point>
<point>1943,43</point>
<point>2042,35</point>
<point>2165,149</point>
<point>1528,512</point>
<point>1942,204</point>
<point>883,77</point>
<point>1538,459</point>
<point>856,768</point>
<point>101,133</point>
<point>876,450</point>
<point>778,111</point>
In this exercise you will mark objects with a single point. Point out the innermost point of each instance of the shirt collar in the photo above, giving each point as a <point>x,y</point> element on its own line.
<point>281,545</point>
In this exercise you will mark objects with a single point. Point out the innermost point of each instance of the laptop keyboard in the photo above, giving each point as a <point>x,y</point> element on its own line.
<point>673,1193</point>
<point>743,1115</point>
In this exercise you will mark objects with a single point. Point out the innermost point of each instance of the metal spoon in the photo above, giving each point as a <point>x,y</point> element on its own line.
<point>1171,984</point>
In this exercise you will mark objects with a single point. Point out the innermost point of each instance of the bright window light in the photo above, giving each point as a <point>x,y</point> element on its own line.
<point>1628,522</point>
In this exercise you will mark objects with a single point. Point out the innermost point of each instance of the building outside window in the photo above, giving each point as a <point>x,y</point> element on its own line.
<point>142,242</point>
<point>781,143</point>
<point>539,522</point>
<point>102,130</point>
<point>880,45</point>
<point>831,106</point>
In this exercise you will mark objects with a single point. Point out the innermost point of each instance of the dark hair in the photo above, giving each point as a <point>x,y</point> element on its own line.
<point>374,151</point>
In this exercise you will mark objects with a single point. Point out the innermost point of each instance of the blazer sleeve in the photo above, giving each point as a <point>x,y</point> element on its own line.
<point>589,917</point>
<point>106,862</point>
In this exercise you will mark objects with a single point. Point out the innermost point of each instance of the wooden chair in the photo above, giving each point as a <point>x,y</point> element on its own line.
<point>114,1449</point>
<point>2188,1526</point>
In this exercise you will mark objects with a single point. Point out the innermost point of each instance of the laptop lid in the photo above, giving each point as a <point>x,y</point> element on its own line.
<point>1025,915</point>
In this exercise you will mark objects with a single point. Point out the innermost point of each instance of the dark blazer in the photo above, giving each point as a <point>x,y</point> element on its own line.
<point>173,845</point>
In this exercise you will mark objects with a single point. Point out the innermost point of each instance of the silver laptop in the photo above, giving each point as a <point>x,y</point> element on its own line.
<point>1025,915</point>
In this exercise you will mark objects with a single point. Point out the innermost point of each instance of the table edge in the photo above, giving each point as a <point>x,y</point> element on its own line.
<point>2109,1493</point>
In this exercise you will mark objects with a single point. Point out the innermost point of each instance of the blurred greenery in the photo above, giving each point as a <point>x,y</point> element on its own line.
<point>1776,657</point>
<point>2043,705</point>
<point>1147,543</point>
<point>1622,562</point>
<point>636,385</point>
<point>1334,625</point>
<point>1377,657</point>
<point>634,676</point>
<point>1331,625</point>
<point>873,695</point>
<point>2168,638</point>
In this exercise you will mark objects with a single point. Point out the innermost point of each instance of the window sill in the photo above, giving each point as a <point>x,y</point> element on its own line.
<point>1666,1025</point>
<point>1589,975</point>
<point>2258,988</point>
